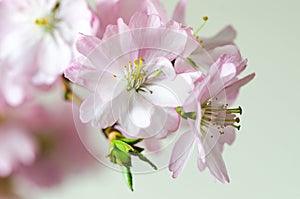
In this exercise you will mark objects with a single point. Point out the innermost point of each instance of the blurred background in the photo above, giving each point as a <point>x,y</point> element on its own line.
<point>264,161</point>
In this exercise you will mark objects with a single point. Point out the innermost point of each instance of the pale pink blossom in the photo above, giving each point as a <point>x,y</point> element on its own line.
<point>108,12</point>
<point>60,152</point>
<point>17,147</point>
<point>131,76</point>
<point>40,145</point>
<point>36,42</point>
<point>214,123</point>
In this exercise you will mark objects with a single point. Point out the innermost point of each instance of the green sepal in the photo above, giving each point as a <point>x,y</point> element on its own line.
<point>119,153</point>
<point>184,115</point>
<point>128,177</point>
<point>138,149</point>
<point>180,111</point>
<point>143,158</point>
<point>123,146</point>
<point>131,141</point>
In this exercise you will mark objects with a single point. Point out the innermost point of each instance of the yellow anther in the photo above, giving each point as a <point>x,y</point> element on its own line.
<point>41,22</point>
<point>205,18</point>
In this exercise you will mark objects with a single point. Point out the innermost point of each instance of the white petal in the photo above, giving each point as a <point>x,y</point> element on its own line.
<point>161,95</point>
<point>163,64</point>
<point>140,110</point>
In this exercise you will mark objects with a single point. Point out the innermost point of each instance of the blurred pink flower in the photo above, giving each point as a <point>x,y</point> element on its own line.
<point>41,145</point>
<point>60,152</point>
<point>18,147</point>
<point>109,11</point>
<point>36,42</point>
<point>131,76</point>
<point>214,122</point>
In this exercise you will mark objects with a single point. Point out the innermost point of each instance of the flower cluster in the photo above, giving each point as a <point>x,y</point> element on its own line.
<point>145,74</point>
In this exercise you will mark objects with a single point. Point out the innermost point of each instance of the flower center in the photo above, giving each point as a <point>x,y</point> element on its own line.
<point>219,116</point>
<point>135,75</point>
<point>138,77</point>
<point>49,22</point>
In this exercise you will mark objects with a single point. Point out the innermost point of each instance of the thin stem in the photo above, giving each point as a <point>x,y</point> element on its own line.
<point>69,93</point>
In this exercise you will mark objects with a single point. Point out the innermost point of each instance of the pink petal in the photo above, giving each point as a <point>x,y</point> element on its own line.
<point>152,145</point>
<point>179,12</point>
<point>86,44</point>
<point>235,86</point>
<point>181,153</point>
<point>142,20</point>
<point>205,58</point>
<point>154,7</point>
<point>216,165</point>
<point>224,37</point>
<point>228,72</point>
<point>210,153</point>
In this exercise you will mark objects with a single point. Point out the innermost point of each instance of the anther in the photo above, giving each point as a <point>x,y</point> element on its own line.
<point>237,127</point>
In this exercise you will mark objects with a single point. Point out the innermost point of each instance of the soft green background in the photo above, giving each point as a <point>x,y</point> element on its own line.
<point>264,161</point>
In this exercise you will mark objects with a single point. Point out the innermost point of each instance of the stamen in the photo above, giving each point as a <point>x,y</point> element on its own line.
<point>220,116</point>
<point>56,7</point>
<point>236,110</point>
<point>136,76</point>
<point>205,19</point>
<point>49,21</point>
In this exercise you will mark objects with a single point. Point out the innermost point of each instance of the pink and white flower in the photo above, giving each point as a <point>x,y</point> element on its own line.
<point>212,123</point>
<point>36,41</point>
<point>131,76</point>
